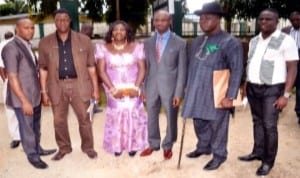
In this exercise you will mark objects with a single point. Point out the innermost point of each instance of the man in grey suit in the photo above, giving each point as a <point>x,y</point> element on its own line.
<point>23,91</point>
<point>164,83</point>
<point>215,50</point>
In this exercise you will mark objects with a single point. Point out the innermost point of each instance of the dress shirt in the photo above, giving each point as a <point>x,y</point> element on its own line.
<point>66,63</point>
<point>165,38</point>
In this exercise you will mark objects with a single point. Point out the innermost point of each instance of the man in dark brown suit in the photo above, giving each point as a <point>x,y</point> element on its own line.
<point>68,76</point>
<point>23,91</point>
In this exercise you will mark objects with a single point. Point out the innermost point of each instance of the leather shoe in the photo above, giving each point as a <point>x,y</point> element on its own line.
<point>39,164</point>
<point>168,154</point>
<point>92,154</point>
<point>264,169</point>
<point>196,154</point>
<point>148,151</point>
<point>118,154</point>
<point>250,157</point>
<point>14,144</point>
<point>47,152</point>
<point>132,153</point>
<point>58,156</point>
<point>213,164</point>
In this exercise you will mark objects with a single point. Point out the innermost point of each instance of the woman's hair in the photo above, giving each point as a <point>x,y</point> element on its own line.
<point>129,32</point>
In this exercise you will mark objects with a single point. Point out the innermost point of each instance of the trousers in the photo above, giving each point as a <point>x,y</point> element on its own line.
<point>71,96</point>
<point>265,118</point>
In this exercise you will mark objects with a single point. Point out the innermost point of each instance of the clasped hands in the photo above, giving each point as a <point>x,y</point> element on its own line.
<point>124,92</point>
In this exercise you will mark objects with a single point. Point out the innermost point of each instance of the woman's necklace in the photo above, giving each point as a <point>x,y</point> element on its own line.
<point>119,47</point>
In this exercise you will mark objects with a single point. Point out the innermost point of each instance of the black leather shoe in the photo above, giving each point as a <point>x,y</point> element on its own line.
<point>47,152</point>
<point>132,153</point>
<point>117,154</point>
<point>250,157</point>
<point>213,164</point>
<point>14,144</point>
<point>264,169</point>
<point>39,164</point>
<point>196,154</point>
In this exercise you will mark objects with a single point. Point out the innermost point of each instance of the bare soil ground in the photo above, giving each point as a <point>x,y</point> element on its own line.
<point>13,162</point>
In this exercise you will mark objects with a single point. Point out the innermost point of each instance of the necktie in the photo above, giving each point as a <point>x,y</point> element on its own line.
<point>158,48</point>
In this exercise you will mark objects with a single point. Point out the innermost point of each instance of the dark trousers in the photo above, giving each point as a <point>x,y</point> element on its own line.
<point>297,105</point>
<point>297,84</point>
<point>213,136</point>
<point>72,97</point>
<point>29,127</point>
<point>265,118</point>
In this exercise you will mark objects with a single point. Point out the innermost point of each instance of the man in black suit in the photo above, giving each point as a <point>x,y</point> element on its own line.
<point>23,91</point>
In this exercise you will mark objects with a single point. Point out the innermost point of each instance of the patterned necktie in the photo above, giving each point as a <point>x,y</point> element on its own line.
<point>158,48</point>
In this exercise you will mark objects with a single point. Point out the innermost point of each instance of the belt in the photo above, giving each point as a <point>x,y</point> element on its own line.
<point>264,85</point>
<point>66,78</point>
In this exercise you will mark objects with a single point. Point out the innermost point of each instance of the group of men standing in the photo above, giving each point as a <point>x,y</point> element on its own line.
<point>64,74</point>
<point>67,75</point>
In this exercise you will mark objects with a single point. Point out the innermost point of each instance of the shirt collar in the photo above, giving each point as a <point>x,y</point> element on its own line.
<point>164,36</point>
<point>68,38</point>
<point>26,43</point>
<point>275,34</point>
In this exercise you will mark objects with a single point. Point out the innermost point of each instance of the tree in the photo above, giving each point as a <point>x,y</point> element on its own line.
<point>229,7</point>
<point>93,9</point>
<point>247,9</point>
<point>132,11</point>
<point>43,7</point>
<point>13,7</point>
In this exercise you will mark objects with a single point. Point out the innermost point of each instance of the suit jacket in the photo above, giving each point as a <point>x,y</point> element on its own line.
<point>222,51</point>
<point>17,59</point>
<point>167,78</point>
<point>83,57</point>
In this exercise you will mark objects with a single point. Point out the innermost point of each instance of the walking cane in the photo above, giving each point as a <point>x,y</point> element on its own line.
<point>181,143</point>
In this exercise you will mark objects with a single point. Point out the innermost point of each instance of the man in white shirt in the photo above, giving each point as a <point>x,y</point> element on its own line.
<point>13,125</point>
<point>294,31</point>
<point>271,72</point>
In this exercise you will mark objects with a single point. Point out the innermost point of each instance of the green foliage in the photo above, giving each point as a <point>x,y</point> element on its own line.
<point>251,8</point>
<point>132,11</point>
<point>93,9</point>
<point>13,7</point>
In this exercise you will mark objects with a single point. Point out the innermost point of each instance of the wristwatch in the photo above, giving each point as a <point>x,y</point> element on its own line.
<point>287,95</point>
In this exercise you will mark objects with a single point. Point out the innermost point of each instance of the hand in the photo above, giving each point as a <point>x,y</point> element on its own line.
<point>27,108</point>
<point>280,103</point>
<point>117,94</point>
<point>176,102</point>
<point>46,99</point>
<point>96,95</point>
<point>132,93</point>
<point>227,103</point>
<point>143,96</point>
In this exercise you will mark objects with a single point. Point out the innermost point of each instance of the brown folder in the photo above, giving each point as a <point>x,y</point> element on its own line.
<point>220,86</point>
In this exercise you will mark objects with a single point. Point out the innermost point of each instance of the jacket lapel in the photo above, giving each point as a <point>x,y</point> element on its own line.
<point>27,54</point>
<point>152,45</point>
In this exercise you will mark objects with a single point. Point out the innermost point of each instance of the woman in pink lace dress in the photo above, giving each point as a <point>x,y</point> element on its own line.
<point>122,69</point>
